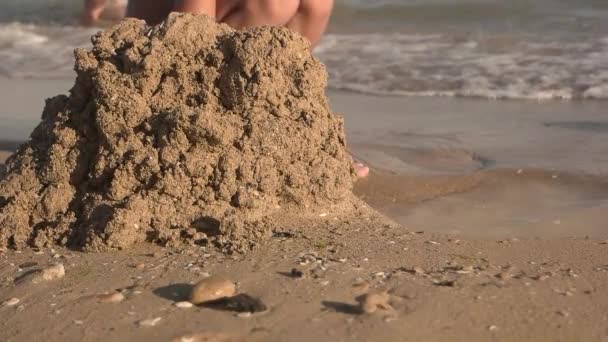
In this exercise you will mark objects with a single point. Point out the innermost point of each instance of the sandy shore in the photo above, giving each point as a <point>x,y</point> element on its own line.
<point>546,161</point>
<point>471,190</point>
<point>441,289</point>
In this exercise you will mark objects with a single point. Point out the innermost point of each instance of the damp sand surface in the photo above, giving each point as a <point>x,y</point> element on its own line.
<point>498,239</point>
<point>438,289</point>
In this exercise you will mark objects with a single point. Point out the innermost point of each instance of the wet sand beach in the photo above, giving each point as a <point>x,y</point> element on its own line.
<point>497,238</point>
<point>491,168</point>
<point>483,217</point>
<point>437,289</point>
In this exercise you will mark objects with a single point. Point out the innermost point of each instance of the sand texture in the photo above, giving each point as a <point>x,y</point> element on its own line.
<point>187,131</point>
<point>440,289</point>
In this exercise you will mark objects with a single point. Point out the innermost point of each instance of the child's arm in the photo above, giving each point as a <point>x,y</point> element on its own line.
<point>207,7</point>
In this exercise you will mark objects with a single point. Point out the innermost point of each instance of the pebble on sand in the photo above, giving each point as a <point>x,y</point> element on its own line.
<point>183,304</point>
<point>138,265</point>
<point>149,322</point>
<point>11,302</point>
<point>115,297</point>
<point>504,275</point>
<point>212,288</point>
<point>53,272</point>
<point>371,302</point>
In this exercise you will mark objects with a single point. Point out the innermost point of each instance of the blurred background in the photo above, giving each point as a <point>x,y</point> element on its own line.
<point>533,49</point>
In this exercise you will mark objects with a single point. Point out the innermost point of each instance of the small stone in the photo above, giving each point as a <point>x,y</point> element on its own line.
<point>212,288</point>
<point>413,270</point>
<point>380,274</point>
<point>504,275</point>
<point>78,322</point>
<point>52,272</point>
<point>542,277</point>
<point>11,302</point>
<point>149,322</point>
<point>183,304</point>
<point>371,302</point>
<point>492,328</point>
<point>138,265</point>
<point>115,297</point>
<point>466,270</point>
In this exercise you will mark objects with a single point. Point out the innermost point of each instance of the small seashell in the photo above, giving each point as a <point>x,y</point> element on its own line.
<point>183,304</point>
<point>115,297</point>
<point>149,322</point>
<point>11,302</point>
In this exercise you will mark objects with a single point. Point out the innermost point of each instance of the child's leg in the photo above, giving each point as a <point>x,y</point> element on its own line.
<point>207,7</point>
<point>251,13</point>
<point>152,11</point>
<point>308,17</point>
<point>312,18</point>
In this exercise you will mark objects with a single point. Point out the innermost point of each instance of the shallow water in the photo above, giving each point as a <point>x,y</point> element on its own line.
<point>494,203</point>
<point>438,136</point>
<point>472,168</point>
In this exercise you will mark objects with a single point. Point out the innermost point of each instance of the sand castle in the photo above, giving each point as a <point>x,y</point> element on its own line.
<point>187,131</point>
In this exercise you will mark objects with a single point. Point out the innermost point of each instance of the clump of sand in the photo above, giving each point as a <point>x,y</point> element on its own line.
<point>186,131</point>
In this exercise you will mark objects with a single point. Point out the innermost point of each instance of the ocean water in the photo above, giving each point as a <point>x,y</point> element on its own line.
<point>519,49</point>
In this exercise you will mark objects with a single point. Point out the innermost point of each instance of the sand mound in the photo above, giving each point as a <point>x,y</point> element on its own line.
<point>187,131</point>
